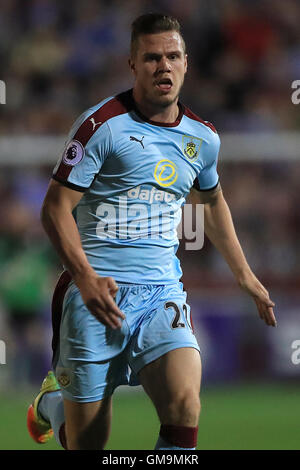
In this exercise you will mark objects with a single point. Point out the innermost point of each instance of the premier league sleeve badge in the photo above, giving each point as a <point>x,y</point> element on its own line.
<point>73,153</point>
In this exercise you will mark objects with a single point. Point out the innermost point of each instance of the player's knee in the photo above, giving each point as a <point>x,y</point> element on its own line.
<point>184,409</point>
<point>189,405</point>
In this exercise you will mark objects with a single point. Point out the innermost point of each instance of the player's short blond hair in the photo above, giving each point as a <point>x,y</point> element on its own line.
<point>153,23</point>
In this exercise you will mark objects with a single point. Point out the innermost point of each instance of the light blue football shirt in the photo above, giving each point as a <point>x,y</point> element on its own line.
<point>135,175</point>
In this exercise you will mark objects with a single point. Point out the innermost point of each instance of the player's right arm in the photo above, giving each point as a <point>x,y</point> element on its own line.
<point>57,219</point>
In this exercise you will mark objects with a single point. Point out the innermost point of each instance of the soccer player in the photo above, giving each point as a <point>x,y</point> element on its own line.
<point>119,310</point>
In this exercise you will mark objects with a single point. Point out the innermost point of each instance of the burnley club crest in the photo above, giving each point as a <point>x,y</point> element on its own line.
<point>191,146</point>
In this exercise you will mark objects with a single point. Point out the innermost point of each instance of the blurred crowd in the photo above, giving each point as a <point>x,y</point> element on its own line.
<point>60,57</point>
<point>264,201</point>
<point>28,270</point>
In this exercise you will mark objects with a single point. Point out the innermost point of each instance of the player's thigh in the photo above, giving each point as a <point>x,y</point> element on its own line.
<point>173,383</point>
<point>172,374</point>
<point>165,354</point>
<point>87,425</point>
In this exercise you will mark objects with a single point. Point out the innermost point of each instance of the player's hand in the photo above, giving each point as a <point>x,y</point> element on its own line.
<point>98,294</point>
<point>261,297</point>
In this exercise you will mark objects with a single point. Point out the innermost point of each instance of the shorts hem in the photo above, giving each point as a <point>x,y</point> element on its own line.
<point>107,393</point>
<point>146,359</point>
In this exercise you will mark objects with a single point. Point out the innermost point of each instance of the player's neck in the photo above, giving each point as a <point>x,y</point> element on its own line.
<point>166,115</point>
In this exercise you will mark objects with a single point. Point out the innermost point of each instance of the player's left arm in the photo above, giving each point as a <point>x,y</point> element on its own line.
<point>219,228</point>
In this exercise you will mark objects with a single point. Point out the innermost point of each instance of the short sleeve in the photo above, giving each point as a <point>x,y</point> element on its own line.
<point>88,145</point>
<point>208,177</point>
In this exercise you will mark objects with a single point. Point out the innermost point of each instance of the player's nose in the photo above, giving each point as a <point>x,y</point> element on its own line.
<point>164,65</point>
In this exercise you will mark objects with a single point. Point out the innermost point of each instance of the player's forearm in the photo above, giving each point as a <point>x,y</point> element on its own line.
<point>62,231</point>
<point>219,228</point>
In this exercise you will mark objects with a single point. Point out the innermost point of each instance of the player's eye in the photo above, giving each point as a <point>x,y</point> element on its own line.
<point>152,57</point>
<point>173,56</point>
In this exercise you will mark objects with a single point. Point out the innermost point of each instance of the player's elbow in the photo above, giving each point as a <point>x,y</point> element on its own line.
<point>44,214</point>
<point>47,215</point>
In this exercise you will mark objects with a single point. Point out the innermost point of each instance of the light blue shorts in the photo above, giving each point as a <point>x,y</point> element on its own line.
<point>92,359</point>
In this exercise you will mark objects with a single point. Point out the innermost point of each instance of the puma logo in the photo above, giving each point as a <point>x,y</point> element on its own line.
<point>137,140</point>
<point>95,123</point>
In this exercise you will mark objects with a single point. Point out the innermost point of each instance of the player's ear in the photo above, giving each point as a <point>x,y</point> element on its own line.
<point>185,62</point>
<point>131,65</point>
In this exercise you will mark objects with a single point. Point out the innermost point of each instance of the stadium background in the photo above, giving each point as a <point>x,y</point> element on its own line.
<point>59,58</point>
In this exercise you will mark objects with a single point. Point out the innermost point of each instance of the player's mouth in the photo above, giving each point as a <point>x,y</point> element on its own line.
<point>164,84</point>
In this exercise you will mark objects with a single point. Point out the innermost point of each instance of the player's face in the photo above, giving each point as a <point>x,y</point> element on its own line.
<point>159,67</point>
